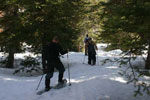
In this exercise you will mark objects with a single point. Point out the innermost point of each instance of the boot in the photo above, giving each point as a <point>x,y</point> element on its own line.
<point>47,84</point>
<point>60,78</point>
<point>62,81</point>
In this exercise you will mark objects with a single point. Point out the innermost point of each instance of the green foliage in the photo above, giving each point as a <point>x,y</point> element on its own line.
<point>30,65</point>
<point>138,77</point>
<point>125,25</point>
<point>12,26</point>
<point>44,19</point>
<point>3,61</point>
<point>35,22</point>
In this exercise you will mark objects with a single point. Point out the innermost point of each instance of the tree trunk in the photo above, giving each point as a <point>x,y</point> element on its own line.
<point>147,64</point>
<point>2,49</point>
<point>10,61</point>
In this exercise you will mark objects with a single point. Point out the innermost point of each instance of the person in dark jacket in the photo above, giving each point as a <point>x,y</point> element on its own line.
<point>52,60</point>
<point>86,44</point>
<point>91,52</point>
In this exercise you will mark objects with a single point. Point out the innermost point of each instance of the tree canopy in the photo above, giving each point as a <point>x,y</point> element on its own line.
<point>35,22</point>
<point>125,25</point>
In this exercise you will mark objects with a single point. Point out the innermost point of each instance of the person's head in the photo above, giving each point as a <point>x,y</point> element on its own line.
<point>90,40</point>
<point>87,35</point>
<point>55,39</point>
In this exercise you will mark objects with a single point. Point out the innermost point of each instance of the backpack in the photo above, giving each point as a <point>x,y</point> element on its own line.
<point>86,40</point>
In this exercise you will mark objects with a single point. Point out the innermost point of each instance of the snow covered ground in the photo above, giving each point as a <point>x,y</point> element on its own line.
<point>88,82</point>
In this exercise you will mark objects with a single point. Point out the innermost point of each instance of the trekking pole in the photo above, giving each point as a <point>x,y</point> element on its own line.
<point>40,82</point>
<point>83,59</point>
<point>97,58</point>
<point>68,69</point>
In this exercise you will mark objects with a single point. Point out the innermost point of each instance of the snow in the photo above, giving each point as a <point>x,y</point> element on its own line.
<point>88,82</point>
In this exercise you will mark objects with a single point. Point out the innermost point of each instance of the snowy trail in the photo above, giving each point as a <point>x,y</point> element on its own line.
<point>88,83</point>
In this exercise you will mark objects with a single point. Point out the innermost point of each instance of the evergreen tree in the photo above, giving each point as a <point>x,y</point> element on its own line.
<point>126,25</point>
<point>11,36</point>
<point>35,22</point>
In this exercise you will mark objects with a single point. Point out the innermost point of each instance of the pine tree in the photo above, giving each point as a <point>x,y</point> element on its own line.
<point>35,22</point>
<point>11,24</point>
<point>126,26</point>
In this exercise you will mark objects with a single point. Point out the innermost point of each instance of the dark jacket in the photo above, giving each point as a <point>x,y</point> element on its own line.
<point>54,50</point>
<point>91,48</point>
<point>51,53</point>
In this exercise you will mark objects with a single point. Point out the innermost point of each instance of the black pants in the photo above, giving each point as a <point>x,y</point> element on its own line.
<point>91,58</point>
<point>56,63</point>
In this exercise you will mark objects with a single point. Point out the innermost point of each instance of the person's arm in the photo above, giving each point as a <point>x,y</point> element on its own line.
<point>95,46</point>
